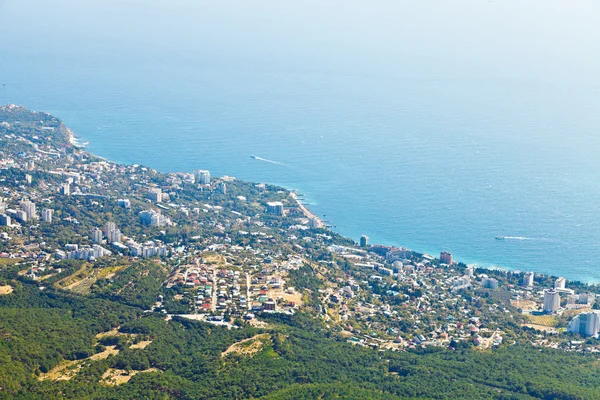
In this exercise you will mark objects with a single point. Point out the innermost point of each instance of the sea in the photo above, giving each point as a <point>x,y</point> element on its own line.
<point>434,125</point>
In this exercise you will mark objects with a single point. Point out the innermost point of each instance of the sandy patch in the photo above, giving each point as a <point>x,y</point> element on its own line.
<point>248,347</point>
<point>213,258</point>
<point>116,377</point>
<point>6,289</point>
<point>141,345</point>
<point>525,305</point>
<point>260,324</point>
<point>110,351</point>
<point>66,370</point>
<point>113,332</point>
<point>62,372</point>
<point>295,297</point>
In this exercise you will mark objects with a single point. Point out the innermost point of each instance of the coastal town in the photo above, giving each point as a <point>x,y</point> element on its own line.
<point>231,253</point>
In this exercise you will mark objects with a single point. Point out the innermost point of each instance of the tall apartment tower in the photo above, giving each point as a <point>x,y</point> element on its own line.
<point>65,189</point>
<point>560,283</point>
<point>446,257</point>
<point>364,241</point>
<point>47,215</point>
<point>5,220</point>
<point>528,279</point>
<point>275,207</point>
<point>587,324</point>
<point>110,226</point>
<point>202,176</point>
<point>29,208</point>
<point>97,236</point>
<point>551,300</point>
<point>113,236</point>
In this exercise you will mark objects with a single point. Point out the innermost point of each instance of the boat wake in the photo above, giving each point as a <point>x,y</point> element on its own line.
<point>519,238</point>
<point>267,160</point>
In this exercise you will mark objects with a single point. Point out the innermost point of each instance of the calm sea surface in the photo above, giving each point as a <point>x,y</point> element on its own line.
<point>436,125</point>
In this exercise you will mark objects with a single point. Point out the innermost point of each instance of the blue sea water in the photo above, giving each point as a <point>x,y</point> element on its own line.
<point>436,125</point>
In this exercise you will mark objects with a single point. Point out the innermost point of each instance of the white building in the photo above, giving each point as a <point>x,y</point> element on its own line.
<point>21,216</point>
<point>97,236</point>
<point>275,207</point>
<point>125,203</point>
<point>113,236</point>
<point>5,220</point>
<point>587,324</point>
<point>65,189</point>
<point>560,283</point>
<point>29,208</point>
<point>153,218</point>
<point>586,298</point>
<point>47,214</point>
<point>155,194</point>
<point>551,300</point>
<point>490,283</point>
<point>89,253</point>
<point>110,226</point>
<point>202,176</point>
<point>528,279</point>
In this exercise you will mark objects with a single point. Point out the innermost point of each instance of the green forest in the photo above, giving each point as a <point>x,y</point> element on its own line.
<point>40,329</point>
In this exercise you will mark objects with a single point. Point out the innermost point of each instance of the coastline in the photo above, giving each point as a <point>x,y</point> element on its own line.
<point>318,223</point>
<point>74,140</point>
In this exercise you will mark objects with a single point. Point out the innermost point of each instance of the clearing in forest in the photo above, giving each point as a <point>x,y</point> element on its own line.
<point>116,377</point>
<point>248,347</point>
<point>81,281</point>
<point>67,370</point>
<point>140,345</point>
<point>7,289</point>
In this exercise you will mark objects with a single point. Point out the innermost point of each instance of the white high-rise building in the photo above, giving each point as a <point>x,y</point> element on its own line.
<point>560,283</point>
<point>155,194</point>
<point>586,298</point>
<point>202,176</point>
<point>65,189</point>
<point>21,216</point>
<point>29,209</point>
<point>97,236</point>
<point>113,236</point>
<point>551,300</point>
<point>110,226</point>
<point>587,324</point>
<point>528,279</point>
<point>275,207</point>
<point>5,220</point>
<point>153,218</point>
<point>47,214</point>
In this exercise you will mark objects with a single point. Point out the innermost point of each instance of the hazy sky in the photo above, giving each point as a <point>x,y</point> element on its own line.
<point>519,39</point>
